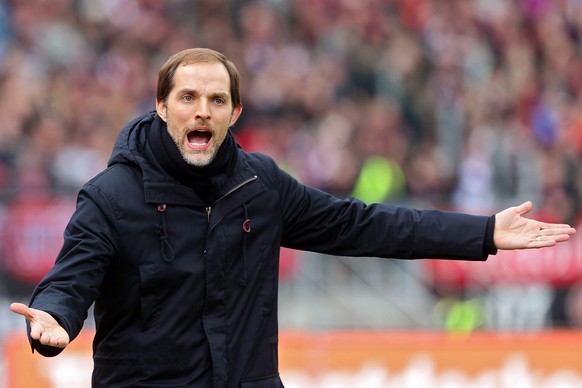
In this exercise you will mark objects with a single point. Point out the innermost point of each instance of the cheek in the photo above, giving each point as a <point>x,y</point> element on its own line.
<point>180,114</point>
<point>175,127</point>
<point>222,134</point>
<point>177,120</point>
<point>173,131</point>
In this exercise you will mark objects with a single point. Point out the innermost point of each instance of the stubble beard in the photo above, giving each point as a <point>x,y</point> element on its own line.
<point>197,158</point>
<point>192,157</point>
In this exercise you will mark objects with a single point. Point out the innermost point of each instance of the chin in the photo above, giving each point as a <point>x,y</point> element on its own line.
<point>198,160</point>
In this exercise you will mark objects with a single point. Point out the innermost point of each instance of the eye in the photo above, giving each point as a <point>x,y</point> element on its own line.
<point>187,98</point>
<point>219,101</point>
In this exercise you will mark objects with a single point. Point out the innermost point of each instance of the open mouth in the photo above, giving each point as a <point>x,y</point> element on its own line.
<point>199,139</point>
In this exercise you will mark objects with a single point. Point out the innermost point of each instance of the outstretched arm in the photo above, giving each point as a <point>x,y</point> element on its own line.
<point>514,231</point>
<point>43,327</point>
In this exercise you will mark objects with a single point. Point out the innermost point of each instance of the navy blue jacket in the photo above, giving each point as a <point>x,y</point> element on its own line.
<point>185,294</point>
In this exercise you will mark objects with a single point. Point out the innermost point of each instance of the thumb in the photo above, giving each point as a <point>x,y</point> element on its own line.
<point>524,208</point>
<point>21,309</point>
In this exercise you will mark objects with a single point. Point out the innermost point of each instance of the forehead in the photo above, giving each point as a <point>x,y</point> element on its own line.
<point>212,76</point>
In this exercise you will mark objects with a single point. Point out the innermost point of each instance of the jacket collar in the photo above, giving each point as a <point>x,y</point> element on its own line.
<point>159,187</point>
<point>171,192</point>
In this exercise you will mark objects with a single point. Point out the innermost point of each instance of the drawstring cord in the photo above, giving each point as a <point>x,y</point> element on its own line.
<point>168,251</point>
<point>246,226</point>
<point>166,248</point>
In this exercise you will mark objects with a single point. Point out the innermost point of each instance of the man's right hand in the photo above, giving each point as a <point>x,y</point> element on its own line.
<point>43,327</point>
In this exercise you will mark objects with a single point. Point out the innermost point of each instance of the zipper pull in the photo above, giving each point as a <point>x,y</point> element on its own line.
<point>208,212</point>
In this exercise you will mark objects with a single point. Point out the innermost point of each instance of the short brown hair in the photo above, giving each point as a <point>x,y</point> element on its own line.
<point>196,55</point>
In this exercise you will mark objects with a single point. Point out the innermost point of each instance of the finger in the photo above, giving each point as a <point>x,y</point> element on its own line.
<point>538,241</point>
<point>557,231</point>
<point>36,331</point>
<point>561,237</point>
<point>45,338</point>
<point>547,239</point>
<point>61,342</point>
<point>547,225</point>
<point>21,309</point>
<point>56,341</point>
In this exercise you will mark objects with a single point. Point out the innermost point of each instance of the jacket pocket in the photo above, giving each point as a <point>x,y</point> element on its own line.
<point>148,300</point>
<point>273,381</point>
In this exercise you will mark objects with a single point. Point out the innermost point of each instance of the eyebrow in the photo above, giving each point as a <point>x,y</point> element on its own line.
<point>221,94</point>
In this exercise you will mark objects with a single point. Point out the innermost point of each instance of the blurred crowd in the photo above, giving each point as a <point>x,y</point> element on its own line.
<point>471,105</point>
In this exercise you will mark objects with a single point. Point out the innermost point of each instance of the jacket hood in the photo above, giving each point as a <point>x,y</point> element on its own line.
<point>131,149</point>
<point>130,143</point>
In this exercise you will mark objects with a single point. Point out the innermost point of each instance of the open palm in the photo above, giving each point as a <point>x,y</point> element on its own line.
<point>514,231</point>
<point>43,327</point>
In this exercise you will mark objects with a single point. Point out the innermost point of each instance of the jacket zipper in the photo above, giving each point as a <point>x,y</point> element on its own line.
<point>235,188</point>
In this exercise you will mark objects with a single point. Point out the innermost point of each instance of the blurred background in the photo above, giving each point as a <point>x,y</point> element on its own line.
<point>465,105</point>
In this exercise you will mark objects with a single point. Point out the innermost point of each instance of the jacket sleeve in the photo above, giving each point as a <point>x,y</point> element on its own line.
<point>71,286</point>
<point>317,221</point>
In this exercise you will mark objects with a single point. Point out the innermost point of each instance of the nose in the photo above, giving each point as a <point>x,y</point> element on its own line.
<point>203,109</point>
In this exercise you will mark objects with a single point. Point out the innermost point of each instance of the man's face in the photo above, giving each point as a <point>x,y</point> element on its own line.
<point>199,111</point>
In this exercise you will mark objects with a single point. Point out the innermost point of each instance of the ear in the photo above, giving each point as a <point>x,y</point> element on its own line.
<point>162,110</point>
<point>235,114</point>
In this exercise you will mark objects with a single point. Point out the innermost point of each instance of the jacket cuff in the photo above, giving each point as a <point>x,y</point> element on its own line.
<point>489,247</point>
<point>46,350</point>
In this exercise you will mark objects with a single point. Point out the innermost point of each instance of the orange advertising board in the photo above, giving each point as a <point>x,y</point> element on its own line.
<point>361,358</point>
<point>71,369</point>
<point>431,359</point>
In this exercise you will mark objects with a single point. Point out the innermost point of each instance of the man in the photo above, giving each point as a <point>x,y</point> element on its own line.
<point>177,243</point>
